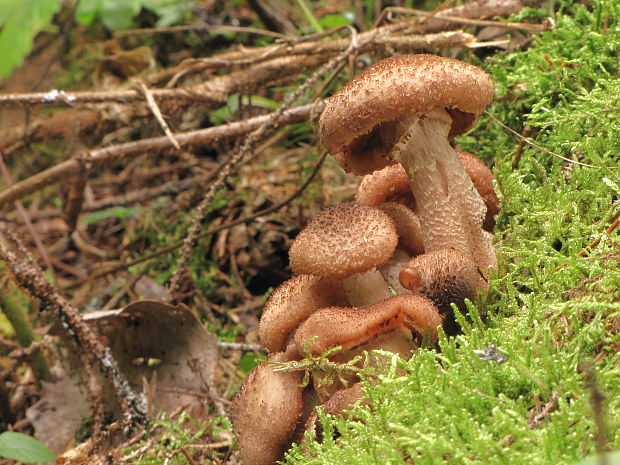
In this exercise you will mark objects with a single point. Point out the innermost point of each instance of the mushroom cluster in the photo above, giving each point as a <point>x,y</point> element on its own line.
<point>383,271</point>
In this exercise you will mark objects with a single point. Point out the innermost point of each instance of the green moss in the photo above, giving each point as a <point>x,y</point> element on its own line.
<point>550,310</point>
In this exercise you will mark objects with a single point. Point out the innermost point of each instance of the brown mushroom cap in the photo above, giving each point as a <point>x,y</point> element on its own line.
<point>389,184</point>
<point>407,226</point>
<point>350,327</point>
<point>343,240</point>
<point>483,178</point>
<point>445,276</point>
<point>353,119</point>
<point>265,412</point>
<point>291,303</point>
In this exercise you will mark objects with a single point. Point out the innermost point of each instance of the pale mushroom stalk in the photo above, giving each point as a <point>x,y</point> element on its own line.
<point>366,288</point>
<point>450,210</point>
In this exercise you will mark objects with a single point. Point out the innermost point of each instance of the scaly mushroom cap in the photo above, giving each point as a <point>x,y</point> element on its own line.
<point>343,240</point>
<point>407,226</point>
<point>350,327</point>
<point>389,184</point>
<point>444,276</point>
<point>265,412</point>
<point>483,178</point>
<point>291,303</point>
<point>356,119</point>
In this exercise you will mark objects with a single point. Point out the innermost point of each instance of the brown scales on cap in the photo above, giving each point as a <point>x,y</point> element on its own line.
<point>407,226</point>
<point>350,123</point>
<point>389,184</point>
<point>291,303</point>
<point>444,276</point>
<point>343,240</point>
<point>347,242</point>
<point>265,412</point>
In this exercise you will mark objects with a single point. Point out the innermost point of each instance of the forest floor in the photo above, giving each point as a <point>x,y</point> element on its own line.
<point>150,204</point>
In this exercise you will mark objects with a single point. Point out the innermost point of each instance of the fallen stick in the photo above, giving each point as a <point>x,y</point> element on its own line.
<point>29,276</point>
<point>95,158</point>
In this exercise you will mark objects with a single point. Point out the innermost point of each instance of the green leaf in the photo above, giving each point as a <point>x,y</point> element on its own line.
<point>332,21</point>
<point>114,212</point>
<point>23,448</point>
<point>87,11</point>
<point>119,14</point>
<point>20,22</point>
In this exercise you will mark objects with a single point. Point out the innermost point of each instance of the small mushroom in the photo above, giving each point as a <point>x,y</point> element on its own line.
<point>389,184</point>
<point>397,324</point>
<point>444,276</point>
<point>407,226</point>
<point>337,404</point>
<point>347,242</point>
<point>406,109</point>
<point>266,410</point>
<point>291,303</point>
<point>350,327</point>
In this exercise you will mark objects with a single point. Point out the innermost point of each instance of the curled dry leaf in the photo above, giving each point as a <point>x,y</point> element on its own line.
<point>159,347</point>
<point>165,346</point>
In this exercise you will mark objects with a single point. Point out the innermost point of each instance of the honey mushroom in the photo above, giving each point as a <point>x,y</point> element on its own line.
<point>406,109</point>
<point>347,242</point>
<point>398,324</point>
<point>434,202</point>
<point>266,410</point>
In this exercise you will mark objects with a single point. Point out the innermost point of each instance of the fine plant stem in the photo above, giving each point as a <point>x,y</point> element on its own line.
<point>14,311</point>
<point>310,16</point>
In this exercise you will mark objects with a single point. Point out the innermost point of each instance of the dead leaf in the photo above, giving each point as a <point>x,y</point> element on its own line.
<point>165,348</point>
<point>58,412</point>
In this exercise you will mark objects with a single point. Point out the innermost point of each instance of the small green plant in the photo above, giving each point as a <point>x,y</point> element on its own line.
<point>18,446</point>
<point>22,20</point>
<point>178,440</point>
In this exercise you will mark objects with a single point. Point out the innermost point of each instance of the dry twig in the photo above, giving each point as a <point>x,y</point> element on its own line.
<point>596,241</point>
<point>99,157</point>
<point>30,276</point>
<point>173,247</point>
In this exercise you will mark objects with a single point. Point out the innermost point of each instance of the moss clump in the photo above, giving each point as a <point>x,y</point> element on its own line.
<point>553,312</point>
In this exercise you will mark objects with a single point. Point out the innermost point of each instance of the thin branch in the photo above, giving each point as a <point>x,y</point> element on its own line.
<point>200,27</point>
<point>30,276</point>
<point>266,65</point>
<point>26,219</point>
<point>173,247</point>
<point>152,104</point>
<point>95,158</point>
<point>248,146</point>
<point>211,93</point>
<point>240,346</point>
<point>529,142</point>
<point>439,18</point>
<point>596,241</point>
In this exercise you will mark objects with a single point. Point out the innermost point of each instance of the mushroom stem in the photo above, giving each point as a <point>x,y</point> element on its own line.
<point>366,288</point>
<point>450,209</point>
